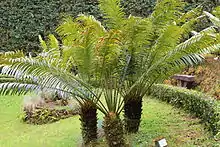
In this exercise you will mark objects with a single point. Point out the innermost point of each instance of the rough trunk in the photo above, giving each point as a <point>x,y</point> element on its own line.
<point>113,129</point>
<point>132,114</point>
<point>88,118</point>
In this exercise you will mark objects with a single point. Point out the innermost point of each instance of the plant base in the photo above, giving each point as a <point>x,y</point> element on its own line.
<point>113,129</point>
<point>132,114</point>
<point>88,118</point>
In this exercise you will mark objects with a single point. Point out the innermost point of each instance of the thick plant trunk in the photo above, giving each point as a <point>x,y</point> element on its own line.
<point>88,118</point>
<point>132,114</point>
<point>113,129</point>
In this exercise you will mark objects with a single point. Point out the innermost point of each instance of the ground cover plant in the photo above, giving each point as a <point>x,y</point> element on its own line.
<point>124,59</point>
<point>157,122</point>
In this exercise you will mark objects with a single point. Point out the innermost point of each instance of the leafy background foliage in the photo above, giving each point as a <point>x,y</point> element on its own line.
<point>22,21</point>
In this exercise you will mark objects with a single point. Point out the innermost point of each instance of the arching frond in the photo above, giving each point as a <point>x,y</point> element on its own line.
<point>194,13</point>
<point>15,88</point>
<point>184,54</point>
<point>51,49</point>
<point>68,31</point>
<point>211,49</point>
<point>214,20</point>
<point>189,60</point>
<point>5,57</point>
<point>53,43</point>
<point>113,13</point>
<point>43,44</point>
<point>46,75</point>
<point>165,12</point>
<point>89,21</point>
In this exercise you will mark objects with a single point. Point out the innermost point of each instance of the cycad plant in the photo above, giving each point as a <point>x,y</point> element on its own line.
<point>80,38</point>
<point>156,47</point>
<point>95,52</point>
<point>169,50</point>
<point>41,72</point>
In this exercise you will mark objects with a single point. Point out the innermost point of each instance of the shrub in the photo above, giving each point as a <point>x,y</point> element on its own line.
<point>37,111</point>
<point>42,115</point>
<point>196,103</point>
<point>22,21</point>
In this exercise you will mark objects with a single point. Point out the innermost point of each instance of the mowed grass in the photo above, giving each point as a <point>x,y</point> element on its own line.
<point>14,133</point>
<point>159,120</point>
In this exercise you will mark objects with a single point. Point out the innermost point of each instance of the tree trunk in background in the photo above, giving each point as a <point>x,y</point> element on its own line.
<point>132,114</point>
<point>88,118</point>
<point>113,129</point>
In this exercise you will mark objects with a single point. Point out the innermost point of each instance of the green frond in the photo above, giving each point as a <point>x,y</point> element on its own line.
<point>113,12</point>
<point>91,23</point>
<point>7,56</point>
<point>51,48</point>
<point>79,44</point>
<point>136,33</point>
<point>4,78</point>
<point>184,54</point>
<point>46,75</point>
<point>43,44</point>
<point>208,32</point>
<point>194,13</point>
<point>216,11</point>
<point>165,12</point>
<point>15,88</point>
<point>189,60</point>
<point>214,20</point>
<point>68,31</point>
<point>53,42</point>
<point>211,49</point>
<point>168,40</point>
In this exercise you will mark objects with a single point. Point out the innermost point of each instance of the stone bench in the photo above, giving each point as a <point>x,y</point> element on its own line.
<point>185,80</point>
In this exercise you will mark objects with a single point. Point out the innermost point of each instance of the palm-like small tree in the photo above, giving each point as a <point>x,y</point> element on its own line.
<point>95,52</point>
<point>88,111</point>
<point>166,55</point>
<point>156,47</point>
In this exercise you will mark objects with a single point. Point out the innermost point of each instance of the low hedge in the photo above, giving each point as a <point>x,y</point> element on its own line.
<point>196,103</point>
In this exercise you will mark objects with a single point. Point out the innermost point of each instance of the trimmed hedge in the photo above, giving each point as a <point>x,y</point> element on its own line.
<point>22,21</point>
<point>196,103</point>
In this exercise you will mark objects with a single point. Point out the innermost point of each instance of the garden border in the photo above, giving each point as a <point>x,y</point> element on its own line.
<point>196,103</point>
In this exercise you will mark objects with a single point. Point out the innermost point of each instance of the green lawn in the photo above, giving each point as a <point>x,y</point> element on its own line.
<point>159,119</point>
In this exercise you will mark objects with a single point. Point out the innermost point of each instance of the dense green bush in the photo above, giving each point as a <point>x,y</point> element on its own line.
<point>138,7</point>
<point>194,102</point>
<point>207,4</point>
<point>22,21</point>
